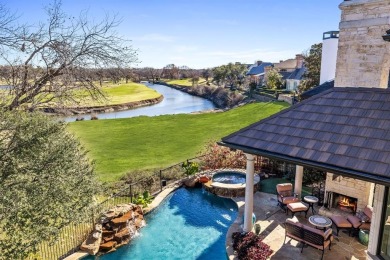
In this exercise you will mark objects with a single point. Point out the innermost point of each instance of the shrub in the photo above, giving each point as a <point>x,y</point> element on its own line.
<point>143,199</point>
<point>248,246</point>
<point>222,157</point>
<point>311,175</point>
<point>190,168</point>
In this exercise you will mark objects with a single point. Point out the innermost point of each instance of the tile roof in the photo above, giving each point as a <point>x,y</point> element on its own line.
<point>318,89</point>
<point>285,74</point>
<point>258,69</point>
<point>297,73</point>
<point>343,130</point>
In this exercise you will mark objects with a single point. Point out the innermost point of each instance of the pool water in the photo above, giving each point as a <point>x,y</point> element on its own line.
<point>189,224</point>
<point>229,177</point>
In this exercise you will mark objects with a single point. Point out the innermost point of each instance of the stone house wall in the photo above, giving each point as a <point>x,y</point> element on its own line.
<point>363,56</point>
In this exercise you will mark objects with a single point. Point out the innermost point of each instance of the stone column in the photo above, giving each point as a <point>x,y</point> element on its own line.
<point>363,58</point>
<point>376,219</point>
<point>298,180</point>
<point>250,170</point>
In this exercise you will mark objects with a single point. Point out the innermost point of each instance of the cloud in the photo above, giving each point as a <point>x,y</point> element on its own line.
<point>154,37</point>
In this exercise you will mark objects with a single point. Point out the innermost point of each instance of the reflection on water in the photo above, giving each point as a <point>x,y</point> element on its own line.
<point>174,102</point>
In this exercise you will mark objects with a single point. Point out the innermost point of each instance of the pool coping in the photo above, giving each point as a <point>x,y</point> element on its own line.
<point>235,227</point>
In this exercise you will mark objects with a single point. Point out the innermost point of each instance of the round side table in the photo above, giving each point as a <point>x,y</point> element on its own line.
<point>311,200</point>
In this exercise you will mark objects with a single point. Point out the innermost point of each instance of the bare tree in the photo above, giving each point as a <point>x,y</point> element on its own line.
<point>171,71</point>
<point>46,62</point>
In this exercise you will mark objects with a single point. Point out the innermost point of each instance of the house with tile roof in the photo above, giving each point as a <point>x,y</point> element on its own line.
<point>344,130</point>
<point>292,71</point>
<point>256,72</point>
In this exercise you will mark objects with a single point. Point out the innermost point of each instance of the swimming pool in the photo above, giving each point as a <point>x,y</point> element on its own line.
<point>189,224</point>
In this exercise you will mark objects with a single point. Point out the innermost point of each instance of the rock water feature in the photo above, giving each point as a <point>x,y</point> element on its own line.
<point>115,228</point>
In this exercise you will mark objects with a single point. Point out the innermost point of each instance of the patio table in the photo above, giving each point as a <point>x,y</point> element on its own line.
<point>320,222</point>
<point>311,200</point>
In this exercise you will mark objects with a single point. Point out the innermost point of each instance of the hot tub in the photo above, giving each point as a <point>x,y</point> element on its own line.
<point>230,183</point>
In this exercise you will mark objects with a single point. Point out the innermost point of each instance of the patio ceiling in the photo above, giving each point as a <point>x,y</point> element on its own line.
<point>342,130</point>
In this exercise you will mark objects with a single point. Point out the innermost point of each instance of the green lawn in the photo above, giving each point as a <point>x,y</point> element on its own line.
<point>121,145</point>
<point>185,82</point>
<point>123,93</point>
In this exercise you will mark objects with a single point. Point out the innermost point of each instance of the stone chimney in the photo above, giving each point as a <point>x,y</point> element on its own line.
<point>363,56</point>
<point>330,42</point>
<point>299,58</point>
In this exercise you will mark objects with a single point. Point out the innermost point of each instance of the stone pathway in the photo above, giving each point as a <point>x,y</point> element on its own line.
<point>271,219</point>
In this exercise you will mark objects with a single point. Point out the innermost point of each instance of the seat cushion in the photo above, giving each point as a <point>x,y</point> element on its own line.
<point>355,221</point>
<point>297,206</point>
<point>288,200</point>
<point>365,226</point>
<point>341,222</point>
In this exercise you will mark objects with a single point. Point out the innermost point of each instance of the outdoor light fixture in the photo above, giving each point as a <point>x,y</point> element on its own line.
<point>386,36</point>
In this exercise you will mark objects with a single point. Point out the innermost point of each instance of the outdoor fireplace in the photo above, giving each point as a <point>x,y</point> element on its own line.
<point>342,202</point>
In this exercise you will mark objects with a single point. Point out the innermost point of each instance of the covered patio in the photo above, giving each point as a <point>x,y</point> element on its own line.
<point>343,131</point>
<point>271,219</point>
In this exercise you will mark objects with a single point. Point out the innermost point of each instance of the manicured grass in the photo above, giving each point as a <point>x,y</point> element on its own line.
<point>123,93</point>
<point>122,145</point>
<point>186,82</point>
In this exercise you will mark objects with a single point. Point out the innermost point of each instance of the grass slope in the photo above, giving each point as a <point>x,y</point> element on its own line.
<point>121,145</point>
<point>123,93</point>
<point>186,82</point>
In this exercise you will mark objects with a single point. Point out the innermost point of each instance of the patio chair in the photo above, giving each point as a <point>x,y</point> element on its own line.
<point>285,195</point>
<point>362,219</point>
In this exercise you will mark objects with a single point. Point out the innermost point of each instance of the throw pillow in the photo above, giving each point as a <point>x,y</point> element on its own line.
<point>363,217</point>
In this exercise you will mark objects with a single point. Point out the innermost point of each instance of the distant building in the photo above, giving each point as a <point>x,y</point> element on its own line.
<point>256,72</point>
<point>295,77</point>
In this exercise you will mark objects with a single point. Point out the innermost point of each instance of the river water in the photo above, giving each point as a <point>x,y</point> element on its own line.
<point>174,102</point>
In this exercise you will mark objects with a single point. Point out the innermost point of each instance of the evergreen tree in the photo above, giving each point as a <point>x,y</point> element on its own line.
<point>46,181</point>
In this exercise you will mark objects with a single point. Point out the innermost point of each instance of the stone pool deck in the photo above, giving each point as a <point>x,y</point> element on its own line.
<point>271,219</point>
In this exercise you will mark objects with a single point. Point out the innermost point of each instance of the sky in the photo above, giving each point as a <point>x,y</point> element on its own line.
<point>205,33</point>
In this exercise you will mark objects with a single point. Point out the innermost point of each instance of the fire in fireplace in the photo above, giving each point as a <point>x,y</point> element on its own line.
<point>347,203</point>
<point>342,202</point>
